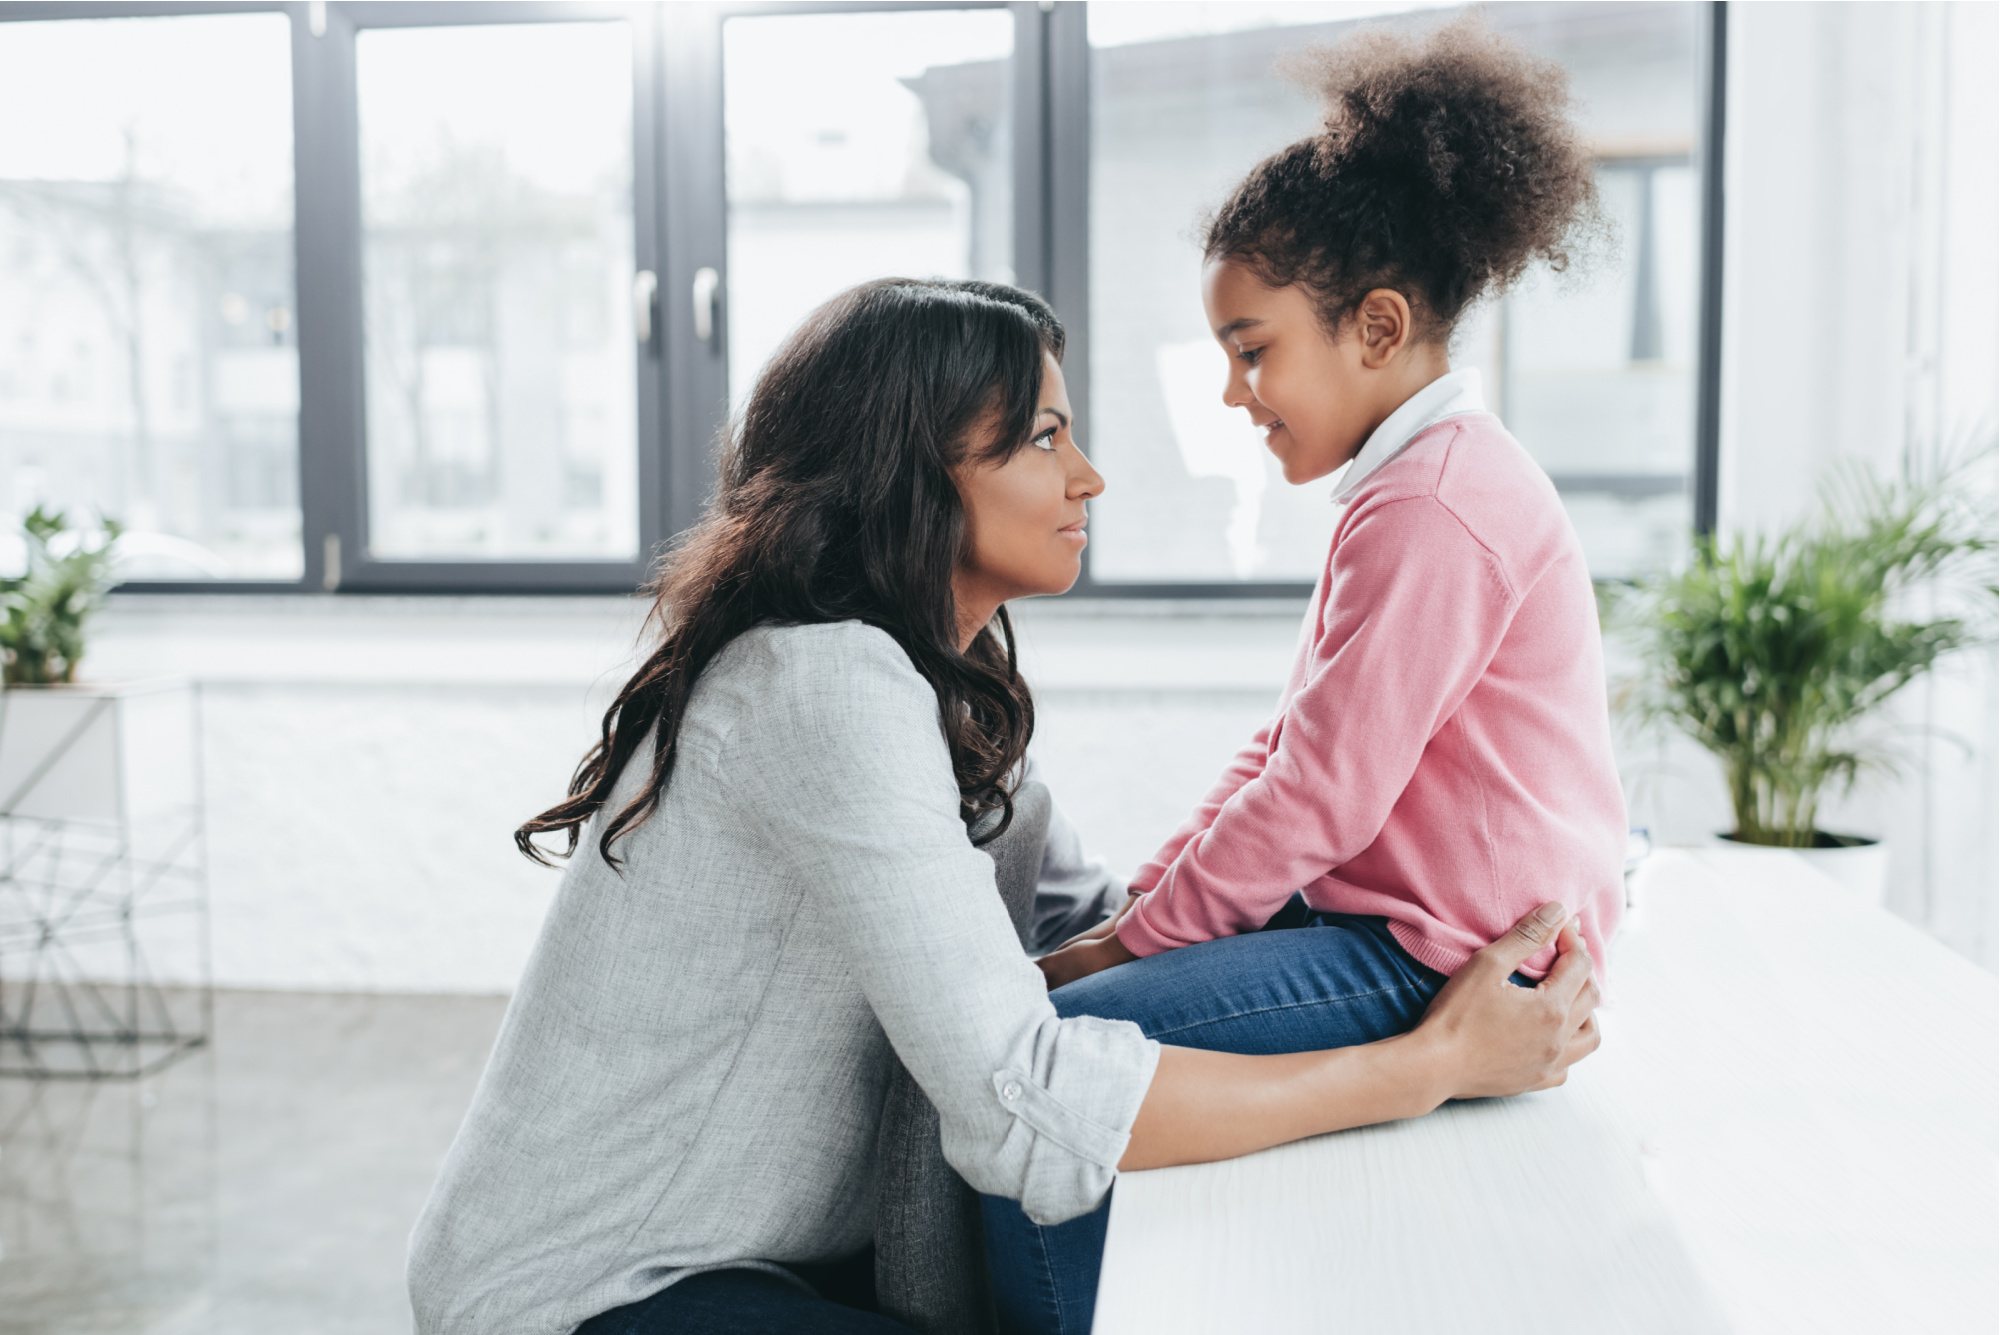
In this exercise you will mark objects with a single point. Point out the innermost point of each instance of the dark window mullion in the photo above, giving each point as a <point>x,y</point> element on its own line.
<point>648,255</point>
<point>328,240</point>
<point>693,215</point>
<point>1708,370</point>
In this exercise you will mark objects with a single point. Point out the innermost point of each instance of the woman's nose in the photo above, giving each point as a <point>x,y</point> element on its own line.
<point>1084,480</point>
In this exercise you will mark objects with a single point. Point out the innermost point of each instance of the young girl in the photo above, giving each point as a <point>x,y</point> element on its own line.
<point>1441,755</point>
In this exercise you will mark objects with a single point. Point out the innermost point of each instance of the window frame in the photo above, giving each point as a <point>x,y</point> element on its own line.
<point>680,226</point>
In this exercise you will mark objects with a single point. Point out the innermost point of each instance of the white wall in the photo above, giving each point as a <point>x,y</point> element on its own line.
<point>1860,320</point>
<point>368,759</point>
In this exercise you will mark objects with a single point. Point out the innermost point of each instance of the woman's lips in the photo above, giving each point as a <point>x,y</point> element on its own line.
<point>1076,534</point>
<point>1273,427</point>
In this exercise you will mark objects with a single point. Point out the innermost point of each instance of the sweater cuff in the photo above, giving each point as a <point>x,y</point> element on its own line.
<point>1139,935</point>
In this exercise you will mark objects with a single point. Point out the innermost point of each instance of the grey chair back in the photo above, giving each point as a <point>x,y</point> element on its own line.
<point>930,1252</point>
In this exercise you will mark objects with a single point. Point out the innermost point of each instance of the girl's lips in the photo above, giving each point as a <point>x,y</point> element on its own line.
<point>1076,535</point>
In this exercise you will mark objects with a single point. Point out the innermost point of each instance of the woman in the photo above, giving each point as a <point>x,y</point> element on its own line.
<point>676,1127</point>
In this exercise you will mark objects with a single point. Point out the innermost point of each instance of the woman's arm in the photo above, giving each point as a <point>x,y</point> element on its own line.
<point>1482,1036</point>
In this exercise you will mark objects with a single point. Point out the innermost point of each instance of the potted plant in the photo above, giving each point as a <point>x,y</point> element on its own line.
<point>68,749</point>
<point>44,608</point>
<point>1776,653</point>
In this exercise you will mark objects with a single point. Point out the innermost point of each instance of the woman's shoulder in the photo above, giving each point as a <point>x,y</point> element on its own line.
<point>820,651</point>
<point>822,676</point>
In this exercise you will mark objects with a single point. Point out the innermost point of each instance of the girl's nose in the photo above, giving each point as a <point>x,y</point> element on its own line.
<point>1235,391</point>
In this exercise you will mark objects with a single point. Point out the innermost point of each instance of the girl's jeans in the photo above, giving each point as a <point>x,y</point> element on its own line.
<point>1308,980</point>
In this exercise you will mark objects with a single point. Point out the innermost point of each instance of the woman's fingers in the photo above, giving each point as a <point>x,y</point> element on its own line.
<point>1531,934</point>
<point>1581,1010</point>
<point>1583,1041</point>
<point>1507,1039</point>
<point>1572,971</point>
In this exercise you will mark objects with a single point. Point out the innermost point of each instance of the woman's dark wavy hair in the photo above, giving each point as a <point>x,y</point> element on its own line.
<point>1444,166</point>
<point>837,503</point>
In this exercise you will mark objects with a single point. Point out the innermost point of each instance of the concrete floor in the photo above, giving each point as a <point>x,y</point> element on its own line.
<point>265,1183</point>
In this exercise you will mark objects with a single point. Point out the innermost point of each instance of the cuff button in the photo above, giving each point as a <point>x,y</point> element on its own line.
<point>1010,1091</point>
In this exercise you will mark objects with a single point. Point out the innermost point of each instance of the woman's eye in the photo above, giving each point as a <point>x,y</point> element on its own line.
<point>1248,356</point>
<point>1045,441</point>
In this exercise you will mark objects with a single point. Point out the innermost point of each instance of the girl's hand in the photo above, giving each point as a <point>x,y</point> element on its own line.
<point>1082,958</point>
<point>1103,929</point>
<point>1493,1038</point>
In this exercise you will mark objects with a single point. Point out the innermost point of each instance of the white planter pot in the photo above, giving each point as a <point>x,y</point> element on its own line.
<point>98,751</point>
<point>1860,869</point>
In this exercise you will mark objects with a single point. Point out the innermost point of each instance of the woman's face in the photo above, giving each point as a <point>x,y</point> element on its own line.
<point>1025,514</point>
<point>1313,397</point>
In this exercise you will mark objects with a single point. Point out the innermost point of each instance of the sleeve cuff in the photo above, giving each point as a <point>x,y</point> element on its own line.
<point>1078,1111</point>
<point>1138,934</point>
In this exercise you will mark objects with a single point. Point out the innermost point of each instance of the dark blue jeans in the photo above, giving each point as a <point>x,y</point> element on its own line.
<point>1307,981</point>
<point>756,1302</point>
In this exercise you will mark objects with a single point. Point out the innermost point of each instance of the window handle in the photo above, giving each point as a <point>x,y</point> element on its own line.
<point>645,287</point>
<point>707,282</point>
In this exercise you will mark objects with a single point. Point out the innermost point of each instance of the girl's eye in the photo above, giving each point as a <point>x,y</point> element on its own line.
<point>1045,441</point>
<point>1248,356</point>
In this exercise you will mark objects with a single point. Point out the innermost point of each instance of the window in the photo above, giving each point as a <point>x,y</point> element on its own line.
<point>146,311</point>
<point>858,146</point>
<point>496,196</point>
<point>484,336</point>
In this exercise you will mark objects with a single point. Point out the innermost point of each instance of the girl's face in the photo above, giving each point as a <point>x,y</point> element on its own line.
<point>1025,513</point>
<point>1316,399</point>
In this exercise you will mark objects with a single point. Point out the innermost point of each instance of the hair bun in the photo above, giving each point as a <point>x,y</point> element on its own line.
<point>1446,163</point>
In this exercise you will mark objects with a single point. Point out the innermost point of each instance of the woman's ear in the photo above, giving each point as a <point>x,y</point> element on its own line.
<point>1383,322</point>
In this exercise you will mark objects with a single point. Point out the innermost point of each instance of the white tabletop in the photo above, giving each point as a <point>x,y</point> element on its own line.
<point>1793,1124</point>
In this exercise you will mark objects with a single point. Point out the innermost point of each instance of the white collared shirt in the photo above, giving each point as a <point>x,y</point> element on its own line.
<point>1452,393</point>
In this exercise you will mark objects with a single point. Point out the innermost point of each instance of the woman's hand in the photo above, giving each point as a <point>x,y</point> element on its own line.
<point>1493,1038</point>
<point>1082,956</point>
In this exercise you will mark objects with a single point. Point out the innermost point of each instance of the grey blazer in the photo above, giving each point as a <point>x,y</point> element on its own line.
<point>692,1072</point>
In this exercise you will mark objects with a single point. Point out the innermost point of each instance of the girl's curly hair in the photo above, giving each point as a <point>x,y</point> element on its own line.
<point>1446,165</point>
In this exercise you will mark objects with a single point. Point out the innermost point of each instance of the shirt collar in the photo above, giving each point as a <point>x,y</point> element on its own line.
<point>1451,393</point>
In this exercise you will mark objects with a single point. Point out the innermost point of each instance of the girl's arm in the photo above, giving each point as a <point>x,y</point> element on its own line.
<point>1244,766</point>
<point>1416,609</point>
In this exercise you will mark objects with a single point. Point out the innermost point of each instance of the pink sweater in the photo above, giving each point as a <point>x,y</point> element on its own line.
<point>1441,754</point>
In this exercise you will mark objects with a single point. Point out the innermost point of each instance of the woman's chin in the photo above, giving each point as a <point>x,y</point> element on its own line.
<point>1063,580</point>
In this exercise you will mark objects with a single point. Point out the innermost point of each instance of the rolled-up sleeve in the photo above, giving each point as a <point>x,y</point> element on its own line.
<point>864,811</point>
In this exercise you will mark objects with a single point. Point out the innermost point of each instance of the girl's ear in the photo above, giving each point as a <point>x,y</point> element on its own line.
<point>1383,322</point>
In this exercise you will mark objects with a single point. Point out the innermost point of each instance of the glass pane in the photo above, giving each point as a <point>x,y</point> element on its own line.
<point>496,204</point>
<point>1595,378</point>
<point>860,146</point>
<point>147,356</point>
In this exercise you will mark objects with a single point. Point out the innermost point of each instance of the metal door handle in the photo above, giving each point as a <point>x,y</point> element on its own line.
<point>645,286</point>
<point>707,282</point>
